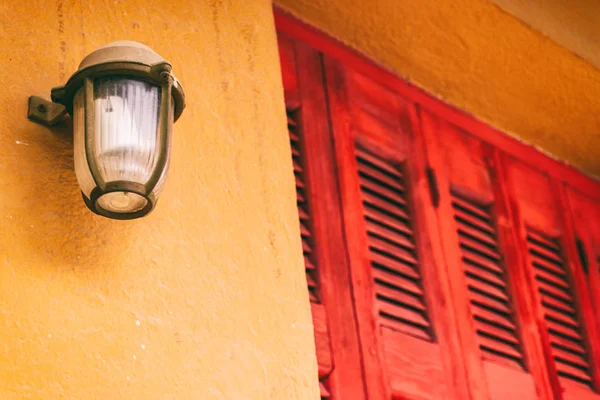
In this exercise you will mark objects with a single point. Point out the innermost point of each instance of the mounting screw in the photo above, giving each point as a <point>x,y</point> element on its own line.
<point>42,108</point>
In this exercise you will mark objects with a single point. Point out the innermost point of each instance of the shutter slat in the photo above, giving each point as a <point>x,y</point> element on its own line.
<point>366,160</point>
<point>562,306</point>
<point>559,329</point>
<point>492,304</point>
<point>294,138</point>
<point>499,348</point>
<point>308,263</point>
<point>297,166</point>
<point>477,260</point>
<point>291,122</point>
<point>389,234</point>
<point>306,247</point>
<point>394,265</point>
<point>303,215</point>
<point>405,328</point>
<point>474,222</point>
<point>397,279</point>
<point>494,331</point>
<point>475,285</point>
<point>382,191</point>
<point>540,239</point>
<point>464,205</point>
<point>487,316</point>
<point>380,178</point>
<point>300,195</point>
<point>395,252</point>
<point>485,275</point>
<point>304,231</point>
<point>400,297</point>
<point>548,267</point>
<point>569,325</point>
<point>555,292</point>
<point>573,345</point>
<point>479,248</point>
<point>404,314</point>
<point>569,357</point>
<point>577,374</point>
<point>376,216</point>
<point>561,318</point>
<point>477,234</point>
<point>550,279</point>
<point>546,254</point>
<point>382,205</point>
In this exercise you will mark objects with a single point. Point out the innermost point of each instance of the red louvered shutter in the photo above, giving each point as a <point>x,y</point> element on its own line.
<point>437,265</point>
<point>556,274</point>
<point>392,270</point>
<point>468,214</point>
<point>320,224</point>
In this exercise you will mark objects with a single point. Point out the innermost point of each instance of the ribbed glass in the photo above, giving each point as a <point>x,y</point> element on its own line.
<point>126,143</point>
<point>126,121</point>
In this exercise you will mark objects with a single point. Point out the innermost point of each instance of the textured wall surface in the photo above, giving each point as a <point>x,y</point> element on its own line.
<point>205,298</point>
<point>479,58</point>
<point>573,24</point>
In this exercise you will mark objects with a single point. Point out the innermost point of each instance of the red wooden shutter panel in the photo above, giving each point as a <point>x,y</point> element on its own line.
<point>386,238</point>
<point>548,243</point>
<point>501,257</point>
<point>397,279</point>
<point>470,212</point>
<point>491,305</point>
<point>321,228</point>
<point>310,263</point>
<point>560,309</point>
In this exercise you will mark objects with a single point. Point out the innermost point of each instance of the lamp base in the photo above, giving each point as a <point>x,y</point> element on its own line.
<point>45,112</point>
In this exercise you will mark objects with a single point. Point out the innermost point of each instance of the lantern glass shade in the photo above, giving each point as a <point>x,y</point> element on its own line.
<point>125,140</point>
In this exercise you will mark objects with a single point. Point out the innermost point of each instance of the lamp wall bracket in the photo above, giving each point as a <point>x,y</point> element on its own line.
<point>45,112</point>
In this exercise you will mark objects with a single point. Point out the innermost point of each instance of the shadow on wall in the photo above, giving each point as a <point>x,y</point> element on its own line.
<point>58,229</point>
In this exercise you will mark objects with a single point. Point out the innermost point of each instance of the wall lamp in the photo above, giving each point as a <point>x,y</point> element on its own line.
<point>123,100</point>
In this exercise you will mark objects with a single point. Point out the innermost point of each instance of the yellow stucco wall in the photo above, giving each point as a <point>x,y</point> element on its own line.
<point>479,58</point>
<point>206,297</point>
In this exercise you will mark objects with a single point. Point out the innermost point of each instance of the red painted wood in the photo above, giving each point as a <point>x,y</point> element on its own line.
<point>586,218</point>
<point>356,240</point>
<point>372,162</point>
<point>539,209</point>
<point>433,130</point>
<point>338,354</point>
<point>579,281</point>
<point>529,317</point>
<point>290,25</point>
<point>435,272</point>
<point>379,210</point>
